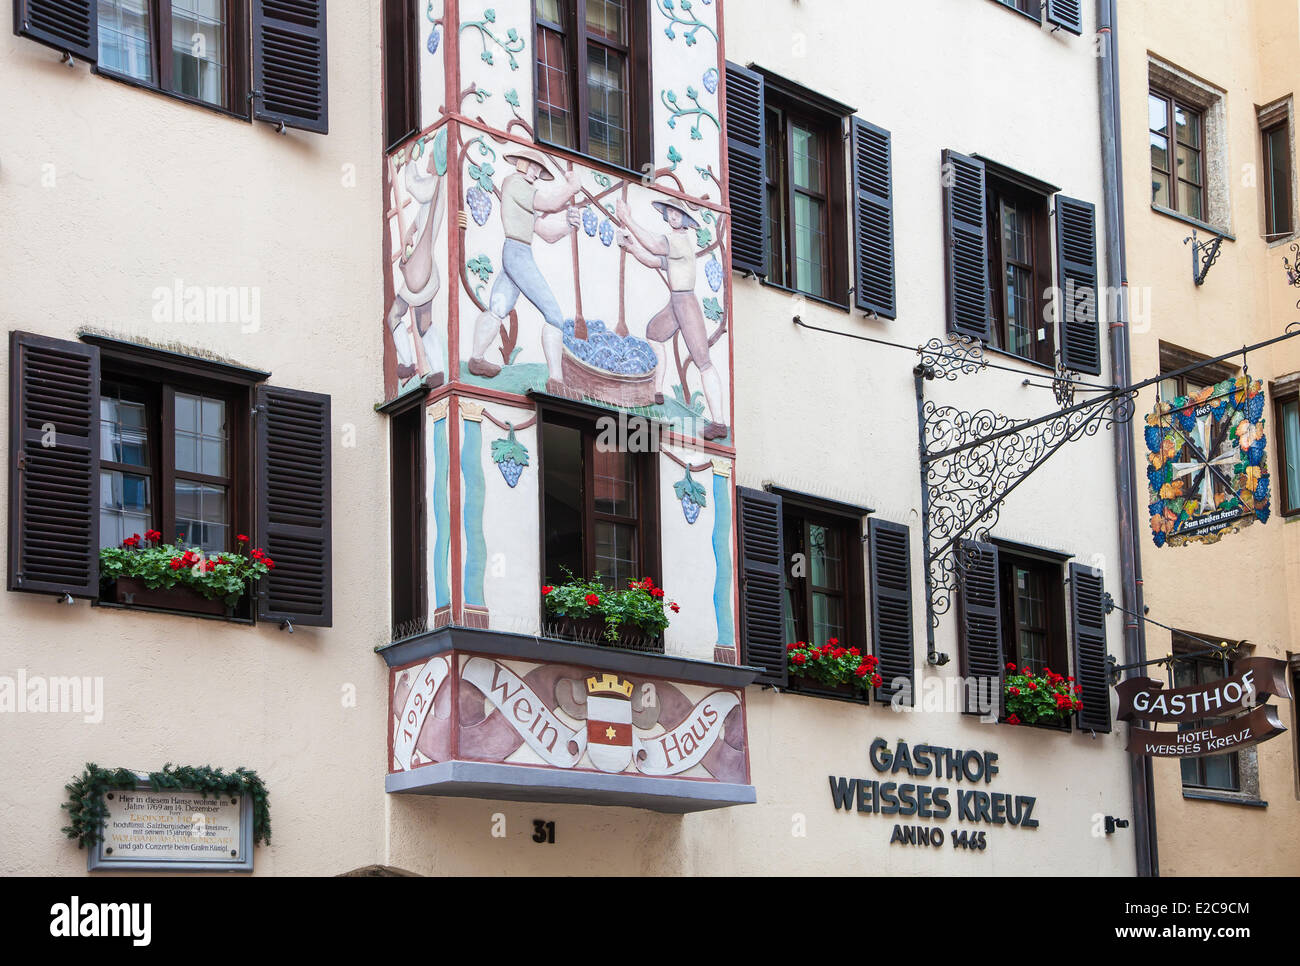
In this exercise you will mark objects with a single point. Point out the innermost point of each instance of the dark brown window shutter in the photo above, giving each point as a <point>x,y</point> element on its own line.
<point>290,84</point>
<point>762,584</point>
<point>68,25</point>
<point>1076,261</point>
<point>1088,628</point>
<point>402,22</point>
<point>53,466</point>
<point>293,505</point>
<point>981,619</point>
<point>966,240</point>
<point>873,219</point>
<point>746,169</point>
<point>891,605</point>
<point>1066,14</point>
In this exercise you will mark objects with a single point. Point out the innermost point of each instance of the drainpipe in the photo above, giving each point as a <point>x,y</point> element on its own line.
<point>1144,818</point>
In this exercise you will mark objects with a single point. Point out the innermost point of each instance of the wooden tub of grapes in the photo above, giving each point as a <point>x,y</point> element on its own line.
<point>603,367</point>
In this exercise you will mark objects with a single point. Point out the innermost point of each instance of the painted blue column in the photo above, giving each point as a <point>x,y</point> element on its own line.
<point>722,553</point>
<point>441,511</point>
<point>471,467</point>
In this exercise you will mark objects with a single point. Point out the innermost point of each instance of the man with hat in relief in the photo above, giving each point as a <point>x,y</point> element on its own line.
<point>674,254</point>
<point>525,203</point>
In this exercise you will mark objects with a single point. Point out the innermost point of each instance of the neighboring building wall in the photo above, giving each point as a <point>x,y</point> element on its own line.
<point>1241,588</point>
<point>113,193</point>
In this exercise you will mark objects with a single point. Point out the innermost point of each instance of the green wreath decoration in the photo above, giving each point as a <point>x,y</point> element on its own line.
<point>88,811</point>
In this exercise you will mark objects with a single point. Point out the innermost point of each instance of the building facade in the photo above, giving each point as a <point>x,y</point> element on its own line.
<point>655,293</point>
<point>1209,143</point>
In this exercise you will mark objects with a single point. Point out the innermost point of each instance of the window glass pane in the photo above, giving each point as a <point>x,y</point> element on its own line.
<point>553,113</point>
<point>123,431</point>
<point>1020,311</point>
<point>808,162</point>
<point>615,482</point>
<point>201,515</point>
<point>199,49</point>
<point>607,121</point>
<point>1016,228</point>
<point>1157,114</point>
<point>125,507</point>
<point>1189,199</point>
<point>562,501</point>
<point>809,267</point>
<point>124,32</point>
<point>1159,152</point>
<point>606,19</point>
<point>1160,189</point>
<point>828,619</point>
<point>1187,126</point>
<point>549,10</point>
<point>826,557</point>
<point>1277,168</point>
<point>201,437</point>
<point>1291,452</point>
<point>1189,164</point>
<point>615,553</point>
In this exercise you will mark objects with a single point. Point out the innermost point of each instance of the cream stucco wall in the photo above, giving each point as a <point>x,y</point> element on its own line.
<point>1242,588</point>
<point>109,192</point>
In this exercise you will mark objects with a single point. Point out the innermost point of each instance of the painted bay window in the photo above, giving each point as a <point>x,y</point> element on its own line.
<point>593,78</point>
<point>1177,134</point>
<point>599,506</point>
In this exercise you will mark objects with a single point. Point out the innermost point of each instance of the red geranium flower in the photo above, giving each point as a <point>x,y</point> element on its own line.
<point>175,563</point>
<point>877,680</point>
<point>546,589</point>
<point>656,593</point>
<point>242,538</point>
<point>862,671</point>
<point>1026,670</point>
<point>1033,686</point>
<point>1015,692</point>
<point>1012,720</point>
<point>592,600</point>
<point>270,564</point>
<point>1011,667</point>
<point>210,566</point>
<point>800,658</point>
<point>1077,704</point>
<point>854,651</point>
<point>673,607</point>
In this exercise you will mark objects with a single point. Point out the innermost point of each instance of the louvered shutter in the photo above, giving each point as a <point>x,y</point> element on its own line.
<point>290,85</point>
<point>53,466</point>
<point>1088,628</point>
<point>966,239</point>
<point>891,605</point>
<point>1066,14</point>
<point>981,619</point>
<point>762,584</point>
<point>67,25</point>
<point>1076,262</point>
<point>746,169</point>
<point>293,505</point>
<point>873,219</point>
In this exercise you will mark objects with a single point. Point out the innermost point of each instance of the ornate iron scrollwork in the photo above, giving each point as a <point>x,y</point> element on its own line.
<point>973,461</point>
<point>1204,255</point>
<point>950,357</point>
<point>1063,383</point>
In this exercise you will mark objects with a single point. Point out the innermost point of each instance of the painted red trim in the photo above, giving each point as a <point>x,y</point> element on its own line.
<point>453,256</point>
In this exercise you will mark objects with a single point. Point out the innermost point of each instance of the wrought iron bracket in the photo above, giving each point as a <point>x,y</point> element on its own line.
<point>1204,255</point>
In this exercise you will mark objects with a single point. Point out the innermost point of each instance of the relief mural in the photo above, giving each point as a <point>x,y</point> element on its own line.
<point>564,717</point>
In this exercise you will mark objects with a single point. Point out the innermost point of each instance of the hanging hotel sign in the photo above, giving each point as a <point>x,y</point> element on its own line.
<point>1232,735</point>
<point>1206,463</point>
<point>1252,682</point>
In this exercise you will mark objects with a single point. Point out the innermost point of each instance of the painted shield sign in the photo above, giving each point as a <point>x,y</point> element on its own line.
<point>609,722</point>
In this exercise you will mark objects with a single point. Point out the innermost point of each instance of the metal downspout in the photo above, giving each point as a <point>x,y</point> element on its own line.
<point>1144,819</point>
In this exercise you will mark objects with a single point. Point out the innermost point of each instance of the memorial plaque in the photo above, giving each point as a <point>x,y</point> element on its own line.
<point>175,829</point>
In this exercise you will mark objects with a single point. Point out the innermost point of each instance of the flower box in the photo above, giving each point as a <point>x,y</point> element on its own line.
<point>132,591</point>
<point>591,630</point>
<point>805,685</point>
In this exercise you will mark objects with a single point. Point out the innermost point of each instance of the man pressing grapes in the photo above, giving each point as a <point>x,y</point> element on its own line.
<point>524,207</point>
<point>674,254</point>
